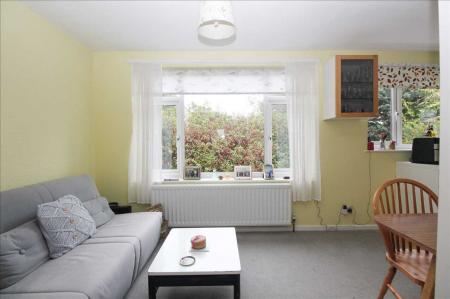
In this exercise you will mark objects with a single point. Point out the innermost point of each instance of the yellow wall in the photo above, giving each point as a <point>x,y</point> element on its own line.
<point>48,109</point>
<point>345,165</point>
<point>45,100</point>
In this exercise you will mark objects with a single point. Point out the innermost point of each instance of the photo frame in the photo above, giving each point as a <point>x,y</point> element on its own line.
<point>268,172</point>
<point>242,172</point>
<point>192,173</point>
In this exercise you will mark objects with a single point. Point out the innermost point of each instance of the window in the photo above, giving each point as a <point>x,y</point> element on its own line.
<point>169,137</point>
<point>406,114</point>
<point>224,130</point>
<point>222,117</point>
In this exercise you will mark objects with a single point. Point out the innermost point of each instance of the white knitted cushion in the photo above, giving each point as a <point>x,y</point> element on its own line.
<point>65,223</point>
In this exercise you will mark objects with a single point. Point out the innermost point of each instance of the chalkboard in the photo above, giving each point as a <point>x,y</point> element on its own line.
<point>357,85</point>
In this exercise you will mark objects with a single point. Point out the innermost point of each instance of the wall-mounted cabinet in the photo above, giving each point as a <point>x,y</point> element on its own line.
<point>351,87</point>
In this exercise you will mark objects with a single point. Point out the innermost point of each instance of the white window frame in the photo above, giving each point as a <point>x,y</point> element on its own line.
<point>396,120</point>
<point>178,101</point>
<point>269,101</point>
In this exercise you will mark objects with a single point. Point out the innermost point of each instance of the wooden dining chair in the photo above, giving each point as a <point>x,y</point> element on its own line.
<point>404,196</point>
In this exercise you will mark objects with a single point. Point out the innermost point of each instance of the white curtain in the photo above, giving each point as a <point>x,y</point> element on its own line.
<point>145,148</point>
<point>302,94</point>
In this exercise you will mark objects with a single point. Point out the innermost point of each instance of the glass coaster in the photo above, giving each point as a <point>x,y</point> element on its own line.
<point>187,261</point>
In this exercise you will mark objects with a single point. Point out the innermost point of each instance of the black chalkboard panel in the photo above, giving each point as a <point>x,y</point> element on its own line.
<point>357,94</point>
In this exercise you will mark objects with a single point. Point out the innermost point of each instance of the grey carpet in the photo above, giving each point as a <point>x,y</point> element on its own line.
<point>305,265</point>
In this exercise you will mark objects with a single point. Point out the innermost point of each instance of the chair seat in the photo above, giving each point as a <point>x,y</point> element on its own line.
<point>414,264</point>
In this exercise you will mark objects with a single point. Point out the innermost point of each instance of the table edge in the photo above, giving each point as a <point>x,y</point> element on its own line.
<point>426,247</point>
<point>194,273</point>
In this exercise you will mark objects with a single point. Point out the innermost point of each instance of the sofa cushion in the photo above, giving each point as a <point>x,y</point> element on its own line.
<point>82,186</point>
<point>144,226</point>
<point>95,270</point>
<point>65,223</point>
<point>18,206</point>
<point>22,250</point>
<point>130,240</point>
<point>99,210</point>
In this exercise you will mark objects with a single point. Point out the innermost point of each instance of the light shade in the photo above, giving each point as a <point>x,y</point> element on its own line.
<point>216,20</point>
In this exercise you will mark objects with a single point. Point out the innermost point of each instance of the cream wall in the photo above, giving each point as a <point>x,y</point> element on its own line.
<point>45,100</point>
<point>345,165</point>
<point>57,97</point>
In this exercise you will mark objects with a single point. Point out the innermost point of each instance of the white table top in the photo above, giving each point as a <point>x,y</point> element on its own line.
<point>221,255</point>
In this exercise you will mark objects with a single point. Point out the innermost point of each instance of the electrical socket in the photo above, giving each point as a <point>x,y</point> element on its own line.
<point>346,209</point>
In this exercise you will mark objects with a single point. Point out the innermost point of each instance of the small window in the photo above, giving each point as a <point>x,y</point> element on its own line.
<point>382,123</point>
<point>280,136</point>
<point>171,155</point>
<point>277,135</point>
<point>406,114</point>
<point>420,110</point>
<point>169,137</point>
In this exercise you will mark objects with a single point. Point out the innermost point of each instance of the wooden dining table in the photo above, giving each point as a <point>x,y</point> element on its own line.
<point>420,229</point>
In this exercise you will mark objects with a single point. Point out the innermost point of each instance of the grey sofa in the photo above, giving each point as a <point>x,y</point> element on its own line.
<point>104,266</point>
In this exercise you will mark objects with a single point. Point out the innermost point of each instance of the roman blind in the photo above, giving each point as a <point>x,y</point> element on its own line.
<point>198,80</point>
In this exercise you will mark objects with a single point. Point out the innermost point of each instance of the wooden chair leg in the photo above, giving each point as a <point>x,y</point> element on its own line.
<point>387,280</point>
<point>428,288</point>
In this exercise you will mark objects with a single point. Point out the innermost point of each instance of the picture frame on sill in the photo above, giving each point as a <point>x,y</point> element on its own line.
<point>268,172</point>
<point>242,172</point>
<point>192,173</point>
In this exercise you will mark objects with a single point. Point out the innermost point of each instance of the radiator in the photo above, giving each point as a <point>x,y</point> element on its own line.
<point>240,204</point>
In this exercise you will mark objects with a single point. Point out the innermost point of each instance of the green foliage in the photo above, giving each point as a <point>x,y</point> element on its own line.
<point>243,143</point>
<point>280,137</point>
<point>382,123</point>
<point>169,137</point>
<point>420,107</point>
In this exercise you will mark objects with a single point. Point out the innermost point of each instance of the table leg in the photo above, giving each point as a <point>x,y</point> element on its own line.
<point>152,290</point>
<point>428,288</point>
<point>237,288</point>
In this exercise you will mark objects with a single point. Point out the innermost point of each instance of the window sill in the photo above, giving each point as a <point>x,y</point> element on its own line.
<point>400,150</point>
<point>222,182</point>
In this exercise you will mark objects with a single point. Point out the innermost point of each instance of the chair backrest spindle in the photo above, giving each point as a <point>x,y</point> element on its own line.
<point>393,198</point>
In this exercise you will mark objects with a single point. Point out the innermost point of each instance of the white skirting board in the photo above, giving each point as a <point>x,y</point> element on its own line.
<point>308,228</point>
<point>352,227</point>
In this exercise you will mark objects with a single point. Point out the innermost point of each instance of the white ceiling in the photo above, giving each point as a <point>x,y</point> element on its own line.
<point>261,25</point>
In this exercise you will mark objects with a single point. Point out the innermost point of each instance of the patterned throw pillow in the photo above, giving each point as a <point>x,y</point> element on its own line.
<point>65,223</point>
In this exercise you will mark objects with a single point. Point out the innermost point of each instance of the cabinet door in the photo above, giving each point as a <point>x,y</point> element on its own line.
<point>356,86</point>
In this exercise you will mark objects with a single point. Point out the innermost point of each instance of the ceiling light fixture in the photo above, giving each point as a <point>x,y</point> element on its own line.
<point>216,21</point>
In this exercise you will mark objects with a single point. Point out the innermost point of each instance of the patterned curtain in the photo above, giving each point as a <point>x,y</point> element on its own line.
<point>408,76</point>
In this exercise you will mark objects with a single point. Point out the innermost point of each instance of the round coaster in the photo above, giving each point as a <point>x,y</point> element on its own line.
<point>187,261</point>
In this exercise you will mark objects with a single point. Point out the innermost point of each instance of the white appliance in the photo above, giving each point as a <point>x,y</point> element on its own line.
<point>427,174</point>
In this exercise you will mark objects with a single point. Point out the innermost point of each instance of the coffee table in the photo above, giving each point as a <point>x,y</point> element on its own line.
<point>217,264</point>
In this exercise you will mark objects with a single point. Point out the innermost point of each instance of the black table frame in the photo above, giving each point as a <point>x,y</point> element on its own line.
<point>154,282</point>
